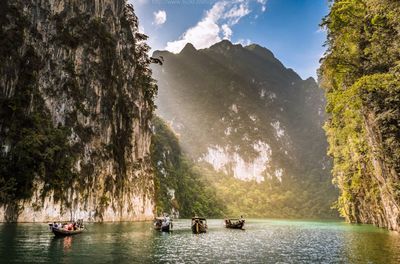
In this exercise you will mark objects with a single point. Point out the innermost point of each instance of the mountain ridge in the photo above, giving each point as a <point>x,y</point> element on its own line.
<point>242,111</point>
<point>254,48</point>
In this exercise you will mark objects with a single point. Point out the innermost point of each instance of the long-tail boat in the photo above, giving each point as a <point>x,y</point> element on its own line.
<point>163,224</point>
<point>199,225</point>
<point>234,223</point>
<point>68,228</point>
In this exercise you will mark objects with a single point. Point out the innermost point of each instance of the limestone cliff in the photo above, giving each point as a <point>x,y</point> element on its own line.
<point>76,101</point>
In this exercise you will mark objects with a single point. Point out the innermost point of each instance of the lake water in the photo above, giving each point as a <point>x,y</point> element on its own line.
<point>263,241</point>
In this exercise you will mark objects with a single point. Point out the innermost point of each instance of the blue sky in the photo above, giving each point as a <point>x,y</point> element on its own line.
<point>289,28</point>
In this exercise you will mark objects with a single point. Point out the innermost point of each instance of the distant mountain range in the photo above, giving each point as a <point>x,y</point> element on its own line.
<point>242,111</point>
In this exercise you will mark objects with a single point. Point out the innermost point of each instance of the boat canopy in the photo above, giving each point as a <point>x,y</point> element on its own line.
<point>198,218</point>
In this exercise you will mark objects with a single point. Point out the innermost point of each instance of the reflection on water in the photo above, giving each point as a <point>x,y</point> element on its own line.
<point>67,242</point>
<point>263,241</point>
<point>58,244</point>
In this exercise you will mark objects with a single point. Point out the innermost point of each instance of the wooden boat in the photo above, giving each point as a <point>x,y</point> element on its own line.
<point>199,225</point>
<point>162,224</point>
<point>67,229</point>
<point>234,223</point>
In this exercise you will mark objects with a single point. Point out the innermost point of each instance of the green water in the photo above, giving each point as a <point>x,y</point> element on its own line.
<point>263,241</point>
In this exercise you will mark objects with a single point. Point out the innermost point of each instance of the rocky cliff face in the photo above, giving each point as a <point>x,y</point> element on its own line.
<point>361,75</point>
<point>76,100</point>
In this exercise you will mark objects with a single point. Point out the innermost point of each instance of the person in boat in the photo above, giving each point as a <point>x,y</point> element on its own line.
<point>157,223</point>
<point>203,223</point>
<point>166,221</point>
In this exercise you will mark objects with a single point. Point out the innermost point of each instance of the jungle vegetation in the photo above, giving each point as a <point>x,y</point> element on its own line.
<point>361,76</point>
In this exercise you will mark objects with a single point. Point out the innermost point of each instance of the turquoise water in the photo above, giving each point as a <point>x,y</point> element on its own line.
<point>263,241</point>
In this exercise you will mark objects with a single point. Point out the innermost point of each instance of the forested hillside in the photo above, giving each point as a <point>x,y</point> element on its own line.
<point>361,76</point>
<point>184,188</point>
<point>179,188</point>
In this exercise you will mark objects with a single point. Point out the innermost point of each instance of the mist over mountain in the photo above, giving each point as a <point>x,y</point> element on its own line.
<point>242,111</point>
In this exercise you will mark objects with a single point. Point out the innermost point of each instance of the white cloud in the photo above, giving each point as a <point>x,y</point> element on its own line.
<point>227,31</point>
<point>263,5</point>
<point>215,25</point>
<point>236,13</point>
<point>160,17</point>
<point>244,42</point>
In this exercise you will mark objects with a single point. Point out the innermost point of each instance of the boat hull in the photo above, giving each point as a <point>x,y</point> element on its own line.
<point>237,225</point>
<point>198,228</point>
<point>163,228</point>
<point>62,232</point>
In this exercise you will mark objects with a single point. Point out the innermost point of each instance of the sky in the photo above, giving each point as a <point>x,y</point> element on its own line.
<point>289,28</point>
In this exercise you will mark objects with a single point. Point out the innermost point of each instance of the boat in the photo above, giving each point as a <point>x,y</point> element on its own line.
<point>67,228</point>
<point>199,225</point>
<point>234,223</point>
<point>163,224</point>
